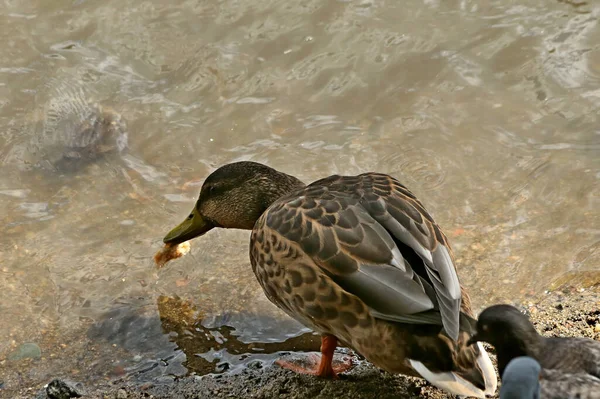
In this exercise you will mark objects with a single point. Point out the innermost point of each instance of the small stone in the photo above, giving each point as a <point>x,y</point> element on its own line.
<point>121,394</point>
<point>146,386</point>
<point>254,365</point>
<point>26,351</point>
<point>597,327</point>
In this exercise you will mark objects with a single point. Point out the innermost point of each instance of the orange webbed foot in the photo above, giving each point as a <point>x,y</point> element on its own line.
<point>325,366</point>
<point>311,363</point>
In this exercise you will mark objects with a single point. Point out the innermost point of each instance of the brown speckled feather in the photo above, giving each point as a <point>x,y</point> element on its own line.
<point>374,239</point>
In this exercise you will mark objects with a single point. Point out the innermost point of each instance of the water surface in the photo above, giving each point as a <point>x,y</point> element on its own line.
<point>488,112</point>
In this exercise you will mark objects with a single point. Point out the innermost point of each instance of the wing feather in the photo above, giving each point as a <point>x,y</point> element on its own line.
<point>360,231</point>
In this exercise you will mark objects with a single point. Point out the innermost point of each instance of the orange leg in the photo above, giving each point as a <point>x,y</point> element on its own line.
<point>321,367</point>
<point>328,345</point>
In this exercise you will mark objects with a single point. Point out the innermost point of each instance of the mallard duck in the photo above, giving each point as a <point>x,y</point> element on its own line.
<point>357,259</point>
<point>524,378</point>
<point>513,335</point>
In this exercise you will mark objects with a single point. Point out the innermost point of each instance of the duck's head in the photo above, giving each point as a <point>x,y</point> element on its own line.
<point>502,325</point>
<point>521,379</point>
<point>233,196</point>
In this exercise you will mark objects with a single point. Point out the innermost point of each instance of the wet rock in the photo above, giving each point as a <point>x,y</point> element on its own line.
<point>255,365</point>
<point>26,351</point>
<point>59,389</point>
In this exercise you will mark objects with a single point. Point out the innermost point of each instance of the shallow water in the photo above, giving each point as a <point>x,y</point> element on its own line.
<point>488,112</point>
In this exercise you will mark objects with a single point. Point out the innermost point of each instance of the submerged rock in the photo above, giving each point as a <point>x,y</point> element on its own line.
<point>103,131</point>
<point>26,351</point>
<point>86,133</point>
<point>71,129</point>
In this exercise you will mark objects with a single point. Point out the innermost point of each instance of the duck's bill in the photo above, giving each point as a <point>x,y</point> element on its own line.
<point>193,226</point>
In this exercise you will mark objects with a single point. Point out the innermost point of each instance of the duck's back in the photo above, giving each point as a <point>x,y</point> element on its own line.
<point>571,355</point>
<point>378,241</point>
<point>556,384</point>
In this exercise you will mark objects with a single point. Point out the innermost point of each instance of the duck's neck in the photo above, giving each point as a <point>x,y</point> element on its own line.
<point>273,185</point>
<point>277,188</point>
<point>527,343</point>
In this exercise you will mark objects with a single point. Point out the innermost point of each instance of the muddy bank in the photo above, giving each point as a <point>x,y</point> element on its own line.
<point>568,311</point>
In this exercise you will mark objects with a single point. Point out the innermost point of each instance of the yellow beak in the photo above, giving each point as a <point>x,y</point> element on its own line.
<point>193,226</point>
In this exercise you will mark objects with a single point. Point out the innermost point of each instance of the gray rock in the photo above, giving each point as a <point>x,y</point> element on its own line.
<point>59,389</point>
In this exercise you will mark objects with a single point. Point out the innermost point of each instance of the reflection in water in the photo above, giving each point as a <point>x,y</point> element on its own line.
<point>183,340</point>
<point>489,113</point>
<point>212,345</point>
<point>139,334</point>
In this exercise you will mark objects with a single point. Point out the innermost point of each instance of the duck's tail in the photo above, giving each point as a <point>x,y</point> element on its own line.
<point>469,374</point>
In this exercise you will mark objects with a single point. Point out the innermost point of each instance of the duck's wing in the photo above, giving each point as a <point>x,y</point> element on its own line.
<point>572,355</point>
<point>375,240</point>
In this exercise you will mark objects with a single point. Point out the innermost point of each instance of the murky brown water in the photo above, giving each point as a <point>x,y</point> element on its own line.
<point>488,112</point>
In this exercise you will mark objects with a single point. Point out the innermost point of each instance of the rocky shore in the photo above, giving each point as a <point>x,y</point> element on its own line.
<point>566,311</point>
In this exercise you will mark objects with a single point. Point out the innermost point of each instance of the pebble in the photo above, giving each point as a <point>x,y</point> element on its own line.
<point>121,394</point>
<point>477,247</point>
<point>597,327</point>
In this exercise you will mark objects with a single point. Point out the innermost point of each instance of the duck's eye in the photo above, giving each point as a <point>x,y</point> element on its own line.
<point>190,217</point>
<point>213,190</point>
